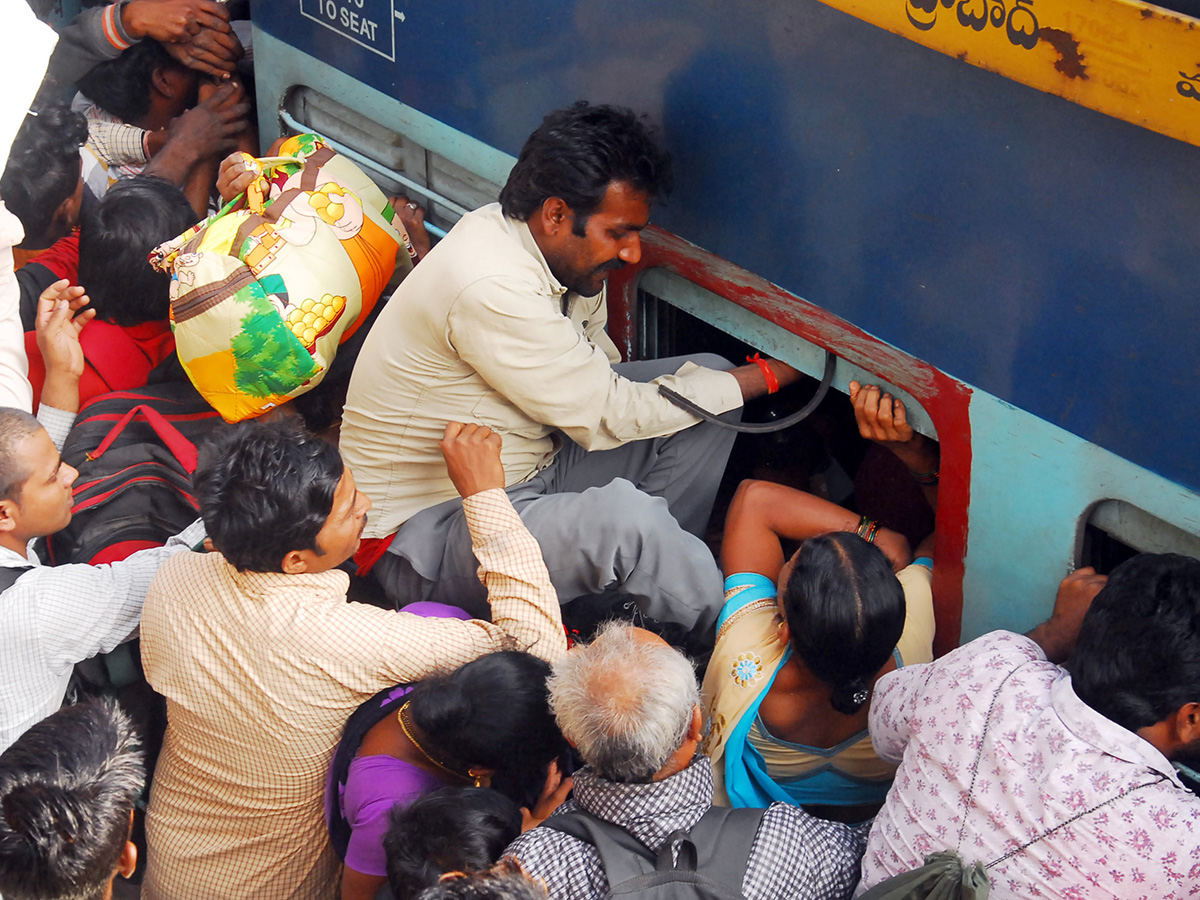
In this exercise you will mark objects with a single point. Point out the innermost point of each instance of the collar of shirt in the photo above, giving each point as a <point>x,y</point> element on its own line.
<point>1104,734</point>
<point>522,235</point>
<point>653,811</point>
<point>11,558</point>
<point>320,584</point>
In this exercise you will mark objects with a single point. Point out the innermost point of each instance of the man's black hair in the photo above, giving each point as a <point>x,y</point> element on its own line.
<point>122,86</point>
<point>454,829</point>
<point>503,881</point>
<point>43,169</point>
<point>576,153</point>
<point>67,788</point>
<point>265,489</point>
<point>131,219</point>
<point>1137,660</point>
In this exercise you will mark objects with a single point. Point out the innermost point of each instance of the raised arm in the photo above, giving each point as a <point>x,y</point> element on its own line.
<point>1057,635</point>
<point>763,515</point>
<point>883,419</point>
<point>523,601</point>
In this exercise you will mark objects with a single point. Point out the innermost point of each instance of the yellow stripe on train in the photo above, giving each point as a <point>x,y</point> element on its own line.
<point>1126,59</point>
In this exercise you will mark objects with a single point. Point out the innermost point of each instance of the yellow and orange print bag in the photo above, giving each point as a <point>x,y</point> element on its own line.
<point>262,295</point>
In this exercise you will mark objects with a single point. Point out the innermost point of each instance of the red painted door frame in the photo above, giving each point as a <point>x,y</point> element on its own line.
<point>945,399</point>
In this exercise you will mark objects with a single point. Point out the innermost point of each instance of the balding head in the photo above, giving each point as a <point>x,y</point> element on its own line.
<point>626,701</point>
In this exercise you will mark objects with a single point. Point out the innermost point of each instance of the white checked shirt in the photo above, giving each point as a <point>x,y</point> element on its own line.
<point>793,856</point>
<point>52,618</point>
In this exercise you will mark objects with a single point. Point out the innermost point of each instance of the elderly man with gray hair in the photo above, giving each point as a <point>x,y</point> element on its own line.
<point>629,703</point>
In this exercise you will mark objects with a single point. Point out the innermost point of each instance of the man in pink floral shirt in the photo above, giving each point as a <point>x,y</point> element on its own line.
<point>1058,780</point>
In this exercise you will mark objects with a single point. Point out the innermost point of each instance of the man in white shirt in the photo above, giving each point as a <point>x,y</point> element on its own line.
<point>503,324</point>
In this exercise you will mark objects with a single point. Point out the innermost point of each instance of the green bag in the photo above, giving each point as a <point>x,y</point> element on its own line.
<point>943,877</point>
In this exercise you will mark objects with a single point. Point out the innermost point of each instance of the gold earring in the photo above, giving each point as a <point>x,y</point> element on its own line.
<point>478,778</point>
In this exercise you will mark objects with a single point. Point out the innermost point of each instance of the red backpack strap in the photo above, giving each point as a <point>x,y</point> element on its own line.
<point>181,448</point>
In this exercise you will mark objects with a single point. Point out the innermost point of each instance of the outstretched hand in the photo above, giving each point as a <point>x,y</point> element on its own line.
<point>1058,634</point>
<point>60,318</point>
<point>554,794</point>
<point>195,32</point>
<point>238,171</point>
<point>881,417</point>
<point>472,454</point>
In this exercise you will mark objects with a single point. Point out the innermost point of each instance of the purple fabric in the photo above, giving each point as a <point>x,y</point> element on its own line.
<point>375,785</point>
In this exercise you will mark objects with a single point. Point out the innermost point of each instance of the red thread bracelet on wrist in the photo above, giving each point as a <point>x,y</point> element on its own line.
<point>768,375</point>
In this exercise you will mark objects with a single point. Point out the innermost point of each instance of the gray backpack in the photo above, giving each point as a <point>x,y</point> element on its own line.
<point>711,860</point>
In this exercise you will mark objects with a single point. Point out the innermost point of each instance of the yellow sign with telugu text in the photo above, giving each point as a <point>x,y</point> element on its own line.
<point>1129,60</point>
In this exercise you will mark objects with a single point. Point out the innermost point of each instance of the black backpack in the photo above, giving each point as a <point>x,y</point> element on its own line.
<point>712,856</point>
<point>135,452</point>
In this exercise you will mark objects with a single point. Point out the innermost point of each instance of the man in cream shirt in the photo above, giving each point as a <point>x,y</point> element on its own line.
<point>502,324</point>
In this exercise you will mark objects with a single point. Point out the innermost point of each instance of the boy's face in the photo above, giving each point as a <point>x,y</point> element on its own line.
<point>43,505</point>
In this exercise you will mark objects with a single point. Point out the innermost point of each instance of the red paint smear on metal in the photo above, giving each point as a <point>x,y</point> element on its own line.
<point>945,399</point>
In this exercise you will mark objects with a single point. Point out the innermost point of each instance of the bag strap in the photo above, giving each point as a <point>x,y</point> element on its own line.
<point>721,834</point>
<point>180,447</point>
<point>987,721</point>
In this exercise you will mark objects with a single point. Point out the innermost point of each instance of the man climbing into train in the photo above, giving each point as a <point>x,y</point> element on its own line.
<point>1048,781</point>
<point>503,324</point>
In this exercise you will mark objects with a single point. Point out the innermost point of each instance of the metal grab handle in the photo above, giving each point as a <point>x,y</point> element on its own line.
<point>760,427</point>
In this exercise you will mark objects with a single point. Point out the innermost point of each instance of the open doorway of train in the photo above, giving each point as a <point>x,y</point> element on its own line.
<point>823,455</point>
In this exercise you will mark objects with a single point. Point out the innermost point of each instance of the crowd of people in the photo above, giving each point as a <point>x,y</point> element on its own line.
<point>779,729</point>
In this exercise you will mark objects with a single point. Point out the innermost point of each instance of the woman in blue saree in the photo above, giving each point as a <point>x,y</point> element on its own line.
<point>787,690</point>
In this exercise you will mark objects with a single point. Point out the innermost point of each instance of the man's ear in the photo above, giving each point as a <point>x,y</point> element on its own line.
<point>127,864</point>
<point>1187,723</point>
<point>555,215</point>
<point>9,512</point>
<point>294,563</point>
<point>696,729</point>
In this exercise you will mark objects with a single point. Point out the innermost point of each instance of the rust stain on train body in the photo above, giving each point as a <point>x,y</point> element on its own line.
<point>1070,61</point>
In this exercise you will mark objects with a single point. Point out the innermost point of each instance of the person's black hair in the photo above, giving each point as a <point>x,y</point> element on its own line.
<point>43,169</point>
<point>265,488</point>
<point>122,86</point>
<point>453,829</point>
<point>15,426</point>
<point>504,881</point>
<point>67,788</point>
<point>131,219</point>
<point>1137,660</point>
<point>576,153</point>
<point>845,611</point>
<point>494,713</point>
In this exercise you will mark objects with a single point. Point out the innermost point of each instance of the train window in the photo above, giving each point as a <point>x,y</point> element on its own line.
<point>823,454</point>
<point>1115,530</point>
<point>669,309</point>
<point>395,162</point>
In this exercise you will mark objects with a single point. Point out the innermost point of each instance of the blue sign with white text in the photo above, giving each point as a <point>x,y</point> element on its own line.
<point>368,23</point>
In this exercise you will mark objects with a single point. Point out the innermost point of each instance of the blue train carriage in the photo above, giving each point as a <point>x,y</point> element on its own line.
<point>989,205</point>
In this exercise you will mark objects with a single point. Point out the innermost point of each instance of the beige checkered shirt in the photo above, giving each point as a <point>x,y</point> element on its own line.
<point>261,671</point>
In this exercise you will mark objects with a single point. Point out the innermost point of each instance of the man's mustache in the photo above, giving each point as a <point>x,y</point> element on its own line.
<point>611,266</point>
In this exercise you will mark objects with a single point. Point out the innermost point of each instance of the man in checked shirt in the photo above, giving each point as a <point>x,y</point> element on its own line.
<point>262,660</point>
<point>629,703</point>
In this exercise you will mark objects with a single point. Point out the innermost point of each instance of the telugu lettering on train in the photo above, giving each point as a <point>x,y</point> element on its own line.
<point>1190,86</point>
<point>1016,17</point>
<point>370,23</point>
